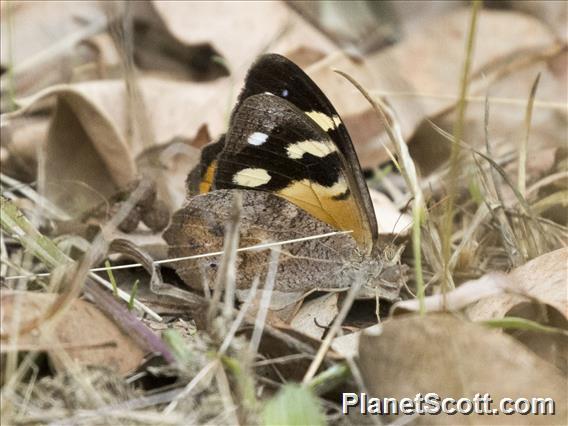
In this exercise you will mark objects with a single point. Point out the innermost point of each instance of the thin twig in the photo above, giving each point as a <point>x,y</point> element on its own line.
<point>265,301</point>
<point>197,256</point>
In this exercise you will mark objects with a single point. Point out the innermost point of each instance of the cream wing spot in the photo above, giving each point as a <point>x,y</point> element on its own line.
<point>324,121</point>
<point>336,190</point>
<point>251,177</point>
<point>319,149</point>
<point>257,138</point>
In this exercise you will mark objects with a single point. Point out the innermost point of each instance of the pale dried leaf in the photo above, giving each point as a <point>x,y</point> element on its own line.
<point>316,315</point>
<point>348,345</point>
<point>553,13</point>
<point>544,279</point>
<point>41,40</point>
<point>428,63</point>
<point>508,97</point>
<point>466,294</point>
<point>264,25</point>
<point>37,25</point>
<point>389,218</point>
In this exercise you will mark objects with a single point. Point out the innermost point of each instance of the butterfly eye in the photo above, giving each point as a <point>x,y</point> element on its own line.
<point>213,265</point>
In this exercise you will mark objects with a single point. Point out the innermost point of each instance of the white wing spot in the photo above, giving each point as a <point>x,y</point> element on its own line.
<point>251,178</point>
<point>285,93</point>
<point>257,138</point>
<point>316,148</point>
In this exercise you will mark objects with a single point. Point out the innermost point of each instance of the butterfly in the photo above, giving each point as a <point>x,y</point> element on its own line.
<point>289,153</point>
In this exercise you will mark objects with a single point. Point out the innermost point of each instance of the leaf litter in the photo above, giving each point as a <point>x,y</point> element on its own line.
<point>78,138</point>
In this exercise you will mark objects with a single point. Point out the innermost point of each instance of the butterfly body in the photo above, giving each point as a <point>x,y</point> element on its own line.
<point>290,156</point>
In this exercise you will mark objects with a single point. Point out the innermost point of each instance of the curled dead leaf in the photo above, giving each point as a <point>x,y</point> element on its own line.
<point>542,279</point>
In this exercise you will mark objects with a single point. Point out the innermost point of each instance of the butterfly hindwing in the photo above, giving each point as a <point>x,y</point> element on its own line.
<point>200,179</point>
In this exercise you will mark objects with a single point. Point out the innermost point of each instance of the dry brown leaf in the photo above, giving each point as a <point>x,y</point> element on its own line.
<point>86,158</point>
<point>282,306</point>
<point>175,109</point>
<point>37,25</point>
<point>535,291</point>
<point>82,331</point>
<point>454,358</point>
<point>356,27</point>
<point>179,109</point>
<point>414,15</point>
<point>304,56</point>
<point>429,63</point>
<point>91,123</point>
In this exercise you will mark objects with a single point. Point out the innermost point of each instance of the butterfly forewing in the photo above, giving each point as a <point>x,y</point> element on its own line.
<point>275,74</point>
<point>272,146</point>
